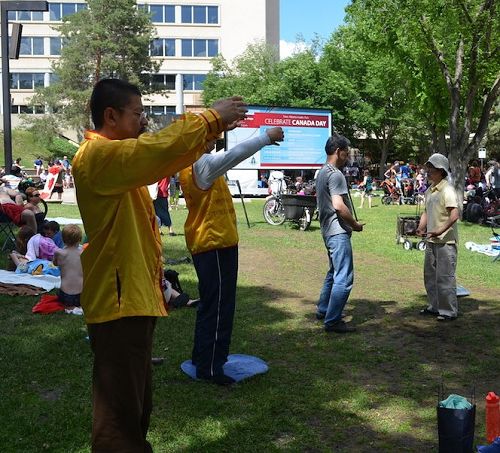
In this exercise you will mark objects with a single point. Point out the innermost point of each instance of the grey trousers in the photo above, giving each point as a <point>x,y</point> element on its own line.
<point>439,278</point>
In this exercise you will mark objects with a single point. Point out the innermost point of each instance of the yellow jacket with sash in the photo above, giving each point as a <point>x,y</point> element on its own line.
<point>211,222</point>
<point>122,265</point>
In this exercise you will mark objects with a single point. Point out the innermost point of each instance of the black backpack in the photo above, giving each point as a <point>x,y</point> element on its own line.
<point>173,277</point>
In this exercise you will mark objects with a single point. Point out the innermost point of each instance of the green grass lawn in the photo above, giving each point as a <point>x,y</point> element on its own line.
<point>372,391</point>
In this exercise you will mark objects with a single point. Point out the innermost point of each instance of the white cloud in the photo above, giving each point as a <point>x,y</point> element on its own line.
<point>287,48</point>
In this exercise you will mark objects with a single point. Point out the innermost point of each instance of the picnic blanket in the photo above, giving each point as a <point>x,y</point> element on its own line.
<point>9,289</point>
<point>238,366</point>
<point>65,220</point>
<point>45,282</point>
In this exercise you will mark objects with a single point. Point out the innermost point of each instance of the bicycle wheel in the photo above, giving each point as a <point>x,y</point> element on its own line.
<point>273,211</point>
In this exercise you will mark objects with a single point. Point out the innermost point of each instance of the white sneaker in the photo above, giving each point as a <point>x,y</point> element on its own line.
<point>74,311</point>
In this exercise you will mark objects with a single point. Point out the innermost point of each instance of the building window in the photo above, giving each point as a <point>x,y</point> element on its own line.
<point>163,81</point>
<point>55,46</point>
<point>59,10</point>
<point>26,81</point>
<point>200,47</point>
<point>16,109</point>
<point>194,82</point>
<point>164,14</point>
<point>157,110</point>
<point>25,16</point>
<point>200,14</point>
<point>31,46</point>
<point>162,48</point>
<point>25,109</point>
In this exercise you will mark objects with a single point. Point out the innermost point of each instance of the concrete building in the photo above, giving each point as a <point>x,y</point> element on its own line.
<point>189,34</point>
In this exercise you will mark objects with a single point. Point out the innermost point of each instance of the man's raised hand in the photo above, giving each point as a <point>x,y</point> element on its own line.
<point>275,134</point>
<point>231,109</point>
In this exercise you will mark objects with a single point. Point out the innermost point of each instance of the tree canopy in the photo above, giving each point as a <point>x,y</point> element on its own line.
<point>418,76</point>
<point>111,38</point>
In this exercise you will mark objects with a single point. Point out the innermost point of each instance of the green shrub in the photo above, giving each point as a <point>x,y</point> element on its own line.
<point>60,147</point>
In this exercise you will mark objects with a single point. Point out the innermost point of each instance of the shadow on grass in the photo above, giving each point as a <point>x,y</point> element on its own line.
<point>372,391</point>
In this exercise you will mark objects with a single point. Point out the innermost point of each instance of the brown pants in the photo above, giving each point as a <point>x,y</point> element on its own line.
<point>122,387</point>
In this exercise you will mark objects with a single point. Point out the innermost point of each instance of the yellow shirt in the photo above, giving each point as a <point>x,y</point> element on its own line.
<point>438,198</point>
<point>211,222</point>
<point>122,265</point>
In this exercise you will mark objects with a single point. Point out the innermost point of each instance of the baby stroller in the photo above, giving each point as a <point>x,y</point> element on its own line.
<point>391,192</point>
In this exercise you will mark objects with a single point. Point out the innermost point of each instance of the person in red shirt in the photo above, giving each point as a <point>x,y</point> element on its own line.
<point>161,205</point>
<point>474,173</point>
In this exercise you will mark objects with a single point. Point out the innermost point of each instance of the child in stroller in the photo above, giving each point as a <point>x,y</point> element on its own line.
<point>391,193</point>
<point>407,191</point>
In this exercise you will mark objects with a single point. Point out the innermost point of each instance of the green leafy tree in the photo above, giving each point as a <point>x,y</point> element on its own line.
<point>251,75</point>
<point>452,49</point>
<point>109,39</point>
<point>366,88</point>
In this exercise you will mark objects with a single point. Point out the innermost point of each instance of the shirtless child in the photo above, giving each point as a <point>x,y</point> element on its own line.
<point>68,260</point>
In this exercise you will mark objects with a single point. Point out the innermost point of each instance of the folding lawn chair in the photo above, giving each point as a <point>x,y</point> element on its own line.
<point>8,237</point>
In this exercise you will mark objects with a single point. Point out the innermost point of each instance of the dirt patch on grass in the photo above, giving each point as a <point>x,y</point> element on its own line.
<point>402,354</point>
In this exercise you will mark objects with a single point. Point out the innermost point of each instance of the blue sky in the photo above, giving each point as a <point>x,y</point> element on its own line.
<point>308,17</point>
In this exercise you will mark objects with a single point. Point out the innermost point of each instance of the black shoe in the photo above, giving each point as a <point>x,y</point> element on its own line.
<point>220,379</point>
<point>445,318</point>
<point>339,327</point>
<point>426,312</point>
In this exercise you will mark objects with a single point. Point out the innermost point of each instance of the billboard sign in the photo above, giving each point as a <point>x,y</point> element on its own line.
<point>306,132</point>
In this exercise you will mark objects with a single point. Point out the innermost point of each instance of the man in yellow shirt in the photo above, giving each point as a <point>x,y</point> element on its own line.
<point>122,265</point>
<point>438,224</point>
<point>212,239</point>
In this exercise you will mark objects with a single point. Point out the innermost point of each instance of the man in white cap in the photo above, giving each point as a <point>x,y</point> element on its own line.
<point>438,225</point>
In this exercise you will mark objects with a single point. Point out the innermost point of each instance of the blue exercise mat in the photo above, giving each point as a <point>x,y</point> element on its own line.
<point>462,292</point>
<point>238,366</point>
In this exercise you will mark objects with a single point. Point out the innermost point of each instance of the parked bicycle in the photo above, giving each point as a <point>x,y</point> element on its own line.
<point>286,204</point>
<point>273,210</point>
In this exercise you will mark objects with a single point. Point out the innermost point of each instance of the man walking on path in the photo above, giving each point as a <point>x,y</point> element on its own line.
<point>122,265</point>
<point>337,224</point>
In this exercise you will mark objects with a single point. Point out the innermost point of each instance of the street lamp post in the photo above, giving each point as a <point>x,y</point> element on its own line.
<point>5,7</point>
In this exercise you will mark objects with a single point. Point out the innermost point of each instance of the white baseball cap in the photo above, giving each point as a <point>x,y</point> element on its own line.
<point>439,161</point>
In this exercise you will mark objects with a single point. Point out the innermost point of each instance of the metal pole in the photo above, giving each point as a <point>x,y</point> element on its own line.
<point>6,102</point>
<point>5,7</point>
<point>243,202</point>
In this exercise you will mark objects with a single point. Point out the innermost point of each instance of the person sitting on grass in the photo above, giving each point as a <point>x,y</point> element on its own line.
<point>15,210</point>
<point>23,236</point>
<point>39,246</point>
<point>32,203</point>
<point>176,299</point>
<point>68,260</point>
